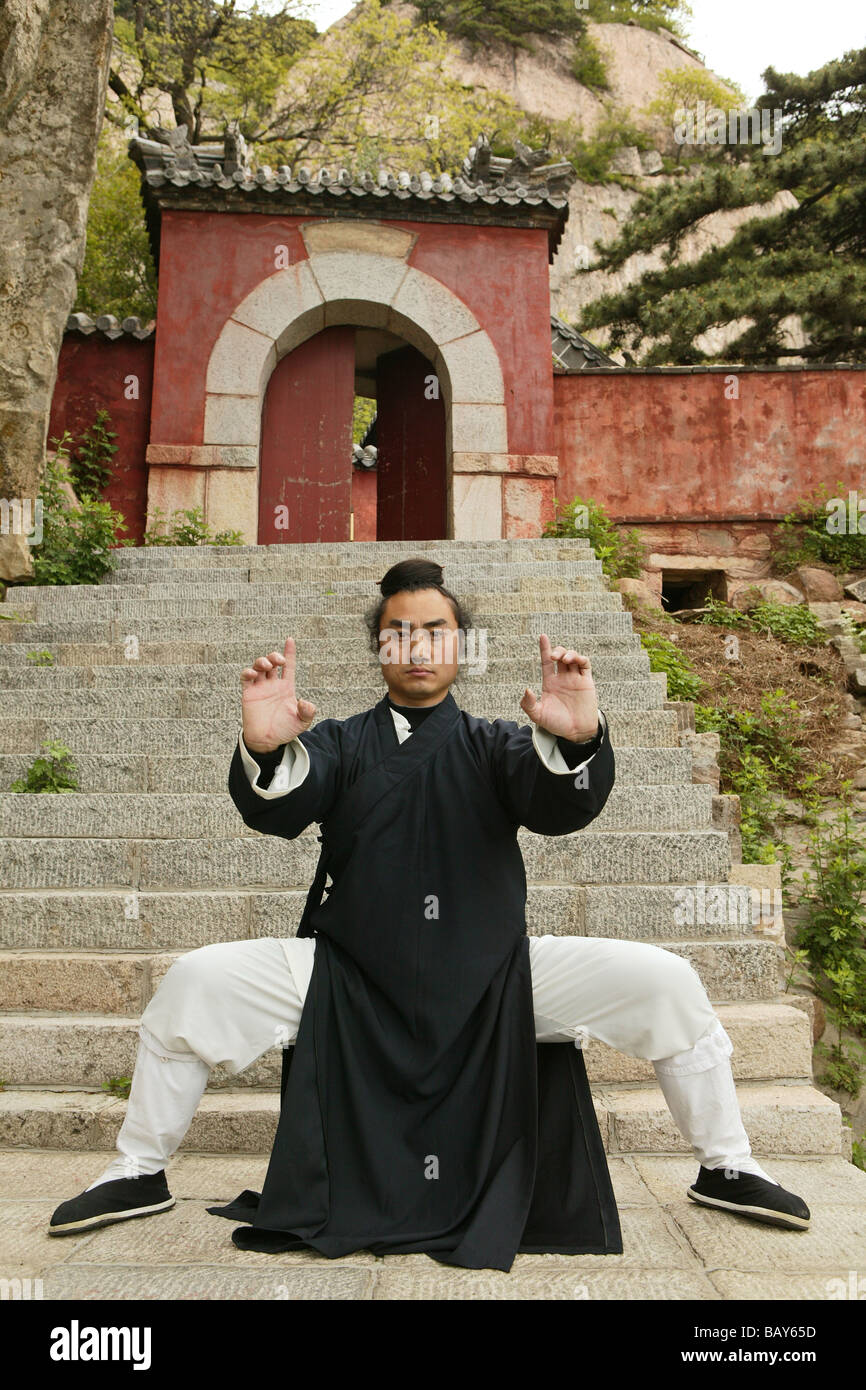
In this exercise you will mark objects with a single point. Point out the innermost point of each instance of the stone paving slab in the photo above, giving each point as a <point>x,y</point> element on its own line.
<point>180,1283</point>
<point>673,1250</point>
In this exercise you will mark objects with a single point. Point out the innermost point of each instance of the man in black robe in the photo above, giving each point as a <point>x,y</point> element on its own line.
<point>419,1114</point>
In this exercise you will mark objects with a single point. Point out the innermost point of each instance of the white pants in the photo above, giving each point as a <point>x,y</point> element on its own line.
<point>230,1003</point>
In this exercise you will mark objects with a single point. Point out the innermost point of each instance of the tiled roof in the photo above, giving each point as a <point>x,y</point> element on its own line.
<point>108,326</point>
<point>572,352</point>
<point>523,191</point>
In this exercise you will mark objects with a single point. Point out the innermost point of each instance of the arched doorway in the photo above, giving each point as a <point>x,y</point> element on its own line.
<point>380,299</point>
<point>308,488</point>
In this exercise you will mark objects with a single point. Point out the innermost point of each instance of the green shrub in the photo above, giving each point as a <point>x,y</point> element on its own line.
<point>118,1086</point>
<point>665,655</point>
<point>91,459</point>
<point>41,658</point>
<point>802,538</point>
<point>76,543</point>
<point>588,64</point>
<point>187,528</point>
<point>52,771</point>
<point>621,555</point>
<point>759,759</point>
<point>833,933</point>
<point>789,622</point>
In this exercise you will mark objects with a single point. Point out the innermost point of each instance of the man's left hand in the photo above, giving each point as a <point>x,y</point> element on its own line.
<point>568,706</point>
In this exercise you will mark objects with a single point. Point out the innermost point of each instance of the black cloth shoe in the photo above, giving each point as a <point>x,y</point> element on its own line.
<point>112,1201</point>
<point>748,1195</point>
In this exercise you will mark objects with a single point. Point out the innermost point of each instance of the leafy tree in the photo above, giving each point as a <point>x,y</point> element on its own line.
<point>343,95</point>
<point>118,275</point>
<point>209,57</point>
<point>502,21</point>
<point>649,14</point>
<point>681,89</point>
<point>806,260</point>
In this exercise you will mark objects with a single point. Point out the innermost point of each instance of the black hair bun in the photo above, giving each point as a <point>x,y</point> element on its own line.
<point>416,573</point>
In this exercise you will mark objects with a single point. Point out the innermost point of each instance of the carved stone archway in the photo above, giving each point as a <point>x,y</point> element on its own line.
<point>346,281</point>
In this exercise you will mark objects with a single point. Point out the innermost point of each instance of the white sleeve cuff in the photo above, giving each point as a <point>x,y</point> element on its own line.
<point>548,750</point>
<point>288,774</point>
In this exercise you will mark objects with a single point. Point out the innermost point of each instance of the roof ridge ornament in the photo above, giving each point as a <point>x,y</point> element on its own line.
<point>527,172</point>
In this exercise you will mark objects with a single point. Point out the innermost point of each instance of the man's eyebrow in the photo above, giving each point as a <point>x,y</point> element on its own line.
<point>404,622</point>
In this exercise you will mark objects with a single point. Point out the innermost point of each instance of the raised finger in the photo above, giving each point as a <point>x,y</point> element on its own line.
<point>547,657</point>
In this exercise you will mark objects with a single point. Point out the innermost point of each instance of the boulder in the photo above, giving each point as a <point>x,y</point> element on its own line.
<point>642,591</point>
<point>53,79</point>
<point>857,589</point>
<point>745,596</point>
<point>818,585</point>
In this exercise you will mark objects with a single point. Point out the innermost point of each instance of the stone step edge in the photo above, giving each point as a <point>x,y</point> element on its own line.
<point>627,1114</point>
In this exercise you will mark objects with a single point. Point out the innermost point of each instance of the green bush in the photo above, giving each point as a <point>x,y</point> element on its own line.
<point>91,459</point>
<point>759,759</point>
<point>588,64</point>
<point>665,655</point>
<point>187,528</point>
<point>621,555</point>
<point>76,543</point>
<point>40,658</point>
<point>802,538</point>
<point>789,622</point>
<point>52,771</point>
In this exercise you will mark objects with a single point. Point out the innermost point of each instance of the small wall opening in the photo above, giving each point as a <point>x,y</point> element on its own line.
<point>683,589</point>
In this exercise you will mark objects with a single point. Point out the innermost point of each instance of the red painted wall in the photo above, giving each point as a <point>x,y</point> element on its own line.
<point>94,372</point>
<point>209,263</point>
<point>652,445</point>
<point>364,504</point>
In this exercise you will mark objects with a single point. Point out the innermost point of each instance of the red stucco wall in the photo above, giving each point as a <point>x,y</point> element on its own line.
<point>95,372</point>
<point>209,263</point>
<point>653,446</point>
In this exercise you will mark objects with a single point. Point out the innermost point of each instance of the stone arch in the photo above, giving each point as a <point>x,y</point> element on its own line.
<point>370,288</point>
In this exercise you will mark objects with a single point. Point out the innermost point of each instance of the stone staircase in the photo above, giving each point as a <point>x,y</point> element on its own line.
<point>102,888</point>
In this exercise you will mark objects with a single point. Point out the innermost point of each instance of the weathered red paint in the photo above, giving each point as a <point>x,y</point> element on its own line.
<point>502,274</point>
<point>306,448</point>
<point>364,504</point>
<point>209,262</point>
<point>410,437</point>
<point>95,373</point>
<point>653,446</point>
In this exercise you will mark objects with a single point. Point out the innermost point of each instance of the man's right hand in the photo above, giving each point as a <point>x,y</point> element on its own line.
<point>272,714</point>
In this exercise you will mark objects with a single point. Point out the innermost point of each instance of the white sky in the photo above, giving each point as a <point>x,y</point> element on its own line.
<point>738,39</point>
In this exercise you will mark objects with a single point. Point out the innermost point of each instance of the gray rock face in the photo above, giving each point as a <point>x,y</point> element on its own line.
<point>53,76</point>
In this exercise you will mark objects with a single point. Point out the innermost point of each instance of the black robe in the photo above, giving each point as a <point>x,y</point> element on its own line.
<point>419,1113</point>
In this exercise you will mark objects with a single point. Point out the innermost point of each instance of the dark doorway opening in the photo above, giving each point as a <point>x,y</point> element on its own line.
<point>691,588</point>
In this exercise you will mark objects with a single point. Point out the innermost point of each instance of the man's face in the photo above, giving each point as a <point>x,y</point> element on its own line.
<point>418,665</point>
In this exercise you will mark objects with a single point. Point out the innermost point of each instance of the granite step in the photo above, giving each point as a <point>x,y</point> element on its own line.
<point>205,702</point>
<point>361,579</point>
<point>351,648</point>
<point>265,861</point>
<point>327,673</point>
<point>567,625</point>
<point>78,1050</point>
<point>196,815</point>
<point>106,982</point>
<point>781,1118</point>
<point>139,772</point>
<point>55,921</point>
<point>645,729</point>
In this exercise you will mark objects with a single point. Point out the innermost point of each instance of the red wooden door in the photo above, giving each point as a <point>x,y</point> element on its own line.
<point>306,448</point>
<point>410,436</point>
